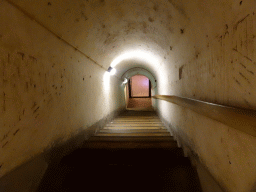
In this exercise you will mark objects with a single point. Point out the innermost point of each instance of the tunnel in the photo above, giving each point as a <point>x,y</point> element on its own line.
<point>56,90</point>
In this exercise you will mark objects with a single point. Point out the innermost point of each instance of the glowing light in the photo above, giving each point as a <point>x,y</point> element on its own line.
<point>106,81</point>
<point>113,71</point>
<point>136,55</point>
<point>125,81</point>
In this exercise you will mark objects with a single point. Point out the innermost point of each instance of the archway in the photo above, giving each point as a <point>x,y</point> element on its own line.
<point>140,86</point>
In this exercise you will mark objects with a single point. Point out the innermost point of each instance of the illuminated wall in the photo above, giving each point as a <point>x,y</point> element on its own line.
<point>54,56</point>
<point>50,92</point>
<point>139,86</point>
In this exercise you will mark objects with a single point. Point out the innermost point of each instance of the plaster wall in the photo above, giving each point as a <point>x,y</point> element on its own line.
<point>215,61</point>
<point>49,91</point>
<point>54,55</point>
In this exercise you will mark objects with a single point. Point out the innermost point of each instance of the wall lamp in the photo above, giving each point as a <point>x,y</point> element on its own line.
<point>125,81</point>
<point>111,70</point>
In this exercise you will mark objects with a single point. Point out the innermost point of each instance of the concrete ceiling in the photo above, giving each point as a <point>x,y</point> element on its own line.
<point>104,30</point>
<point>156,34</point>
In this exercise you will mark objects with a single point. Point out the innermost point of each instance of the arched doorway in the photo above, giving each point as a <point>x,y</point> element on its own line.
<point>139,87</point>
<point>138,93</point>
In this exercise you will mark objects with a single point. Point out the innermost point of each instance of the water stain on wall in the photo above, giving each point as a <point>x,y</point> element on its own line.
<point>4,104</point>
<point>26,86</point>
<point>179,8</point>
<point>22,55</point>
<point>240,21</point>
<point>4,144</point>
<point>35,110</point>
<point>242,75</point>
<point>97,3</point>
<point>111,38</point>
<point>5,136</point>
<point>150,19</point>
<point>237,81</point>
<point>155,7</point>
<point>83,15</point>
<point>197,54</point>
<point>32,58</point>
<point>246,57</point>
<point>180,72</point>
<point>16,131</point>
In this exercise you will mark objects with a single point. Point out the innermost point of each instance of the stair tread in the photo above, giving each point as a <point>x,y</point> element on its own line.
<point>138,117</point>
<point>135,127</point>
<point>133,131</point>
<point>147,134</point>
<point>136,120</point>
<point>144,149</point>
<point>132,138</point>
<point>132,145</point>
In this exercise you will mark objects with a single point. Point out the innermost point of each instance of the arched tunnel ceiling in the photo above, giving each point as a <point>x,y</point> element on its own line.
<point>140,71</point>
<point>127,64</point>
<point>105,29</point>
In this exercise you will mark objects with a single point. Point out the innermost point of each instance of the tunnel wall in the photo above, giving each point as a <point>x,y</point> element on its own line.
<point>215,61</point>
<point>49,91</point>
<point>206,51</point>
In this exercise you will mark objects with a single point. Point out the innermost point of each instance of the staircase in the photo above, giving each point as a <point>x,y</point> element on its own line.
<point>134,152</point>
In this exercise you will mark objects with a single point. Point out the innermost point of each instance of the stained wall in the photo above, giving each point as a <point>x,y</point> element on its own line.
<point>54,55</point>
<point>50,91</point>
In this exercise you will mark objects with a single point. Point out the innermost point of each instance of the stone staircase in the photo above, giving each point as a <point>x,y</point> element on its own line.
<point>133,130</point>
<point>134,152</point>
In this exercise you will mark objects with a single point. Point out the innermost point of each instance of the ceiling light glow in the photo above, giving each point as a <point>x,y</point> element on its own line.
<point>125,81</point>
<point>136,55</point>
<point>111,70</point>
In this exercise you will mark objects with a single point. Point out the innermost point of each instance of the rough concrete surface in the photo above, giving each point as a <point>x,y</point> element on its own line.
<point>53,81</point>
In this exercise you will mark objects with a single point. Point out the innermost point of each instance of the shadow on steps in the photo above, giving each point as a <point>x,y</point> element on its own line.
<point>134,152</point>
<point>121,170</point>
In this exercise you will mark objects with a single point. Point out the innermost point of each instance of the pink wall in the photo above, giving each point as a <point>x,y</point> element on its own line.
<point>139,86</point>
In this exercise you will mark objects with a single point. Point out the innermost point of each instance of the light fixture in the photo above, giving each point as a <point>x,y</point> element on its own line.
<point>125,81</point>
<point>111,70</point>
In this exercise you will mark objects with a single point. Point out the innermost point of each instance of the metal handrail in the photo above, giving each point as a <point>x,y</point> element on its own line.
<point>239,118</point>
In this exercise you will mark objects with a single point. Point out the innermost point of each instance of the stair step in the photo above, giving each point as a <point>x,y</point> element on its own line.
<point>129,145</point>
<point>133,131</point>
<point>138,156</point>
<point>136,120</point>
<point>133,134</point>
<point>135,127</point>
<point>137,117</point>
<point>131,138</point>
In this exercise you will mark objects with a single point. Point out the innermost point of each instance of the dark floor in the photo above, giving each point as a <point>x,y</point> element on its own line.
<point>121,170</point>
